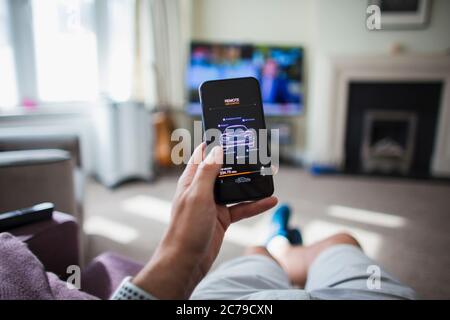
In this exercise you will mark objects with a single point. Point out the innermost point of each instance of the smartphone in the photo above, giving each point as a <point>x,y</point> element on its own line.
<point>233,107</point>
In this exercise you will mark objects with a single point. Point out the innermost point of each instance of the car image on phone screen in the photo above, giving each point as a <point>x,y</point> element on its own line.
<point>234,108</point>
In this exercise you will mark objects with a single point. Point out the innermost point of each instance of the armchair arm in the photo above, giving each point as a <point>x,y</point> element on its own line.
<point>66,142</point>
<point>35,176</point>
<point>30,145</point>
<point>54,242</point>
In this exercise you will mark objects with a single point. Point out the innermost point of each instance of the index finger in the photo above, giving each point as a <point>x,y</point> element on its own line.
<point>191,168</point>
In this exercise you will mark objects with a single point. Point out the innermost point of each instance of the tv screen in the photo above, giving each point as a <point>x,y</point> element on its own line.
<point>279,70</point>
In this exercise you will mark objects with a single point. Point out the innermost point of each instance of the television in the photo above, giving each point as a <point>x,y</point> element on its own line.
<point>279,70</point>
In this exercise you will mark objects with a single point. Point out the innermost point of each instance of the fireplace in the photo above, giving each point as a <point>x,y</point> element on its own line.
<point>382,114</point>
<point>388,141</point>
<point>391,127</point>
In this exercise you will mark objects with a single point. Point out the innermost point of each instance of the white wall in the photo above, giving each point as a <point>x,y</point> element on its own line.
<point>341,31</point>
<point>272,21</point>
<point>324,28</point>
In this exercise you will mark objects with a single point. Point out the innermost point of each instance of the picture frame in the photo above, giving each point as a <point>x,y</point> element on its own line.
<point>403,14</point>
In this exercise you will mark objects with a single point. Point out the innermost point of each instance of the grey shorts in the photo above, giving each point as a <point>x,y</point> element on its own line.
<point>340,272</point>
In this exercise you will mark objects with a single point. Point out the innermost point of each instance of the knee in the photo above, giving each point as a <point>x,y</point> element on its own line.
<point>345,238</point>
<point>256,251</point>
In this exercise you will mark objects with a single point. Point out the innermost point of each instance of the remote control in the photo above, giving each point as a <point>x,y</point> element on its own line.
<point>16,218</point>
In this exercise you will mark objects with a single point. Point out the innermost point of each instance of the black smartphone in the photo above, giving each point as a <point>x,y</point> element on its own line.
<point>233,107</point>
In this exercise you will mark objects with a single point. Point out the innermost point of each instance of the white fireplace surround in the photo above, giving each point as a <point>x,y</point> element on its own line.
<point>388,68</point>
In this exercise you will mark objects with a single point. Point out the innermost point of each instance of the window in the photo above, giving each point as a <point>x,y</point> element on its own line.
<point>65,49</point>
<point>8,90</point>
<point>50,49</point>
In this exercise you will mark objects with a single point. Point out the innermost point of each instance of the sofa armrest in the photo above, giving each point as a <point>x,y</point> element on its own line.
<point>66,142</point>
<point>35,176</point>
<point>54,242</point>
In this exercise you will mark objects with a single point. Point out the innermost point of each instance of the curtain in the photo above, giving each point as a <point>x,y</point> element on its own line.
<point>162,38</point>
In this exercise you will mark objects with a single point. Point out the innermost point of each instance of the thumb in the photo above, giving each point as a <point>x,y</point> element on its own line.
<point>209,169</point>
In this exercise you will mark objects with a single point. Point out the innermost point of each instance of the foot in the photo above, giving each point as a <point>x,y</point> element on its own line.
<point>280,227</point>
<point>279,223</point>
<point>295,237</point>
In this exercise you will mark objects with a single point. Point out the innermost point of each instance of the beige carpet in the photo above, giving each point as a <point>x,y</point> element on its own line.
<point>403,224</point>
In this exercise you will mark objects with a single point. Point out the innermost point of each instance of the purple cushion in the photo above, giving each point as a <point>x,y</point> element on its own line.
<point>53,241</point>
<point>22,275</point>
<point>105,273</point>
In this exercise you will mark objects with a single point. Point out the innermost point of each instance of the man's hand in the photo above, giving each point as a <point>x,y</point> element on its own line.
<point>196,231</point>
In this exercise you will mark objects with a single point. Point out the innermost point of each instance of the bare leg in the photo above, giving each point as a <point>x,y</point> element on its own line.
<point>257,250</point>
<point>296,260</point>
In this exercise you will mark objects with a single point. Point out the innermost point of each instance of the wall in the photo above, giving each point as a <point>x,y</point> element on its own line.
<point>340,27</point>
<point>272,21</point>
<point>325,28</point>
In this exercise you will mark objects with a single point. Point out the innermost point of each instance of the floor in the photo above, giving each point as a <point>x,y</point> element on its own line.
<point>403,224</point>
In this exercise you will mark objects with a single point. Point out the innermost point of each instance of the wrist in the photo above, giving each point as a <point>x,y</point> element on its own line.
<point>170,274</point>
<point>186,245</point>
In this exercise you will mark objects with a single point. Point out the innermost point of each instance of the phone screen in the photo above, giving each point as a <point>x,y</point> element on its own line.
<point>234,108</point>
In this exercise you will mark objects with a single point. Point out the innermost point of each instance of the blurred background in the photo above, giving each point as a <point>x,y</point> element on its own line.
<point>363,112</point>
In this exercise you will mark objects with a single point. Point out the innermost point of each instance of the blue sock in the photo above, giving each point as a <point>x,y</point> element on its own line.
<point>280,220</point>
<point>279,226</point>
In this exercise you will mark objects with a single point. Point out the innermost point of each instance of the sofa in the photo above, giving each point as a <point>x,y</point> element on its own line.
<point>37,259</point>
